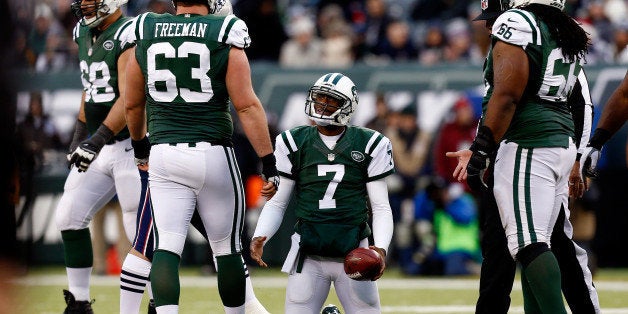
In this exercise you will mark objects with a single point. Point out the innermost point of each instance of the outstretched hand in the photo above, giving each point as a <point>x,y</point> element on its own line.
<point>460,173</point>
<point>257,249</point>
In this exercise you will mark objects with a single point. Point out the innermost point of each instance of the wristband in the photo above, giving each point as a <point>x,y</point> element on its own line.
<point>102,136</point>
<point>269,168</point>
<point>80,134</point>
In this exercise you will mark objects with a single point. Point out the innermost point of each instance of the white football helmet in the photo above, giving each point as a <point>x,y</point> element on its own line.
<point>337,86</point>
<point>509,4</point>
<point>216,7</point>
<point>92,14</point>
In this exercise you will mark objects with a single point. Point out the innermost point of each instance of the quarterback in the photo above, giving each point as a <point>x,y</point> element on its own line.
<point>337,172</point>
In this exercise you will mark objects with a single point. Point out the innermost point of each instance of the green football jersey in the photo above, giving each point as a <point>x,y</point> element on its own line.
<point>98,61</point>
<point>184,61</point>
<point>331,183</point>
<point>542,118</point>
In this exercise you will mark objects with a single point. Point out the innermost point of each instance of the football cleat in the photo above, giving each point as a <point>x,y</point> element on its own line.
<point>151,307</point>
<point>330,309</point>
<point>76,307</point>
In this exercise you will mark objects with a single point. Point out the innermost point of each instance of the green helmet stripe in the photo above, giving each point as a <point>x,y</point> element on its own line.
<point>337,78</point>
<point>327,77</point>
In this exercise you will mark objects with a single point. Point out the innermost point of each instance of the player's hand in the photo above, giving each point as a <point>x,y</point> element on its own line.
<point>482,150</point>
<point>591,156</point>
<point>257,249</point>
<point>381,252</point>
<point>141,151</point>
<point>576,185</point>
<point>84,154</point>
<point>460,173</point>
<point>270,176</point>
<point>270,187</point>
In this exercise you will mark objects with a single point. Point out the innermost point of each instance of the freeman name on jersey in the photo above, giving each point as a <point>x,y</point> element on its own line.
<point>180,29</point>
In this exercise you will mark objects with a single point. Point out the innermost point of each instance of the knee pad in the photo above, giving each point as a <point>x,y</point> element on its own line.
<point>530,252</point>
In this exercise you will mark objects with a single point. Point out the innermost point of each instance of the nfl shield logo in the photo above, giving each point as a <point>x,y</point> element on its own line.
<point>331,157</point>
<point>484,4</point>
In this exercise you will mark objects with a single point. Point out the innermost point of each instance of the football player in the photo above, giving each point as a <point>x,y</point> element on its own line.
<point>100,132</point>
<point>337,172</point>
<point>185,69</point>
<point>531,70</point>
<point>498,268</point>
<point>614,115</point>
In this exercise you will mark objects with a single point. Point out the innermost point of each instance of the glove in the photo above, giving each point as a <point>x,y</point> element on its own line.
<point>141,150</point>
<point>592,152</point>
<point>269,170</point>
<point>482,149</point>
<point>80,134</point>
<point>88,149</point>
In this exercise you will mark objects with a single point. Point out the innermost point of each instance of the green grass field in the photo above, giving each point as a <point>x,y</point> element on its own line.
<point>40,292</point>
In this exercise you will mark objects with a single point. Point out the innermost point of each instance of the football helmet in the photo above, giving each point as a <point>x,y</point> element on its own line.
<point>216,7</point>
<point>336,87</point>
<point>509,4</point>
<point>92,13</point>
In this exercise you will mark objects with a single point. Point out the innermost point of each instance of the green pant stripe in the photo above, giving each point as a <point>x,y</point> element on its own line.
<point>515,196</point>
<point>240,193</point>
<point>237,202</point>
<point>527,195</point>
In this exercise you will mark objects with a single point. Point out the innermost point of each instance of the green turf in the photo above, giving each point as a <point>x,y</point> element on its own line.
<point>36,294</point>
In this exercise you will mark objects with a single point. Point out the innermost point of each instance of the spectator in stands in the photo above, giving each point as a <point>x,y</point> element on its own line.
<point>397,45</point>
<point>458,41</point>
<point>620,43</point>
<point>265,28</point>
<point>411,146</point>
<point>54,58</point>
<point>456,133</point>
<point>304,48</point>
<point>439,10</point>
<point>381,119</point>
<point>446,225</point>
<point>36,133</point>
<point>45,24</point>
<point>338,40</point>
<point>372,32</point>
<point>433,45</point>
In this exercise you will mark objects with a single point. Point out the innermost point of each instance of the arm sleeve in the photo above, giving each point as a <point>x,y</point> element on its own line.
<point>272,213</point>
<point>382,214</point>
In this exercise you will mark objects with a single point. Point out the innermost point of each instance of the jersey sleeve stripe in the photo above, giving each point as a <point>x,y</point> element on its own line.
<point>288,139</point>
<point>536,32</point>
<point>126,24</point>
<point>226,25</point>
<point>382,175</point>
<point>372,143</point>
<point>141,26</point>
<point>76,31</point>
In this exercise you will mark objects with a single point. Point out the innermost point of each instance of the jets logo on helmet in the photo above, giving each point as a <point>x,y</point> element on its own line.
<point>340,100</point>
<point>509,4</point>
<point>92,13</point>
<point>215,7</point>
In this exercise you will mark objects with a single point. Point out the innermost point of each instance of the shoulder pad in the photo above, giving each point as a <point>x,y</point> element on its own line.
<point>517,27</point>
<point>234,32</point>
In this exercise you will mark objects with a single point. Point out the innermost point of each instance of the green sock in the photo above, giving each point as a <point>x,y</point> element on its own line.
<point>77,248</point>
<point>231,279</point>
<point>543,277</point>
<point>164,278</point>
<point>530,306</point>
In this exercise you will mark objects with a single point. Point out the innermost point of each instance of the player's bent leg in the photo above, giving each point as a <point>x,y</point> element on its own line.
<point>79,261</point>
<point>307,291</point>
<point>543,276</point>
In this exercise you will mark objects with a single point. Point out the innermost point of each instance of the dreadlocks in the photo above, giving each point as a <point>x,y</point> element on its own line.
<point>570,37</point>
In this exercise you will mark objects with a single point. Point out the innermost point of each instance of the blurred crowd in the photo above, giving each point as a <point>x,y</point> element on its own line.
<point>330,33</point>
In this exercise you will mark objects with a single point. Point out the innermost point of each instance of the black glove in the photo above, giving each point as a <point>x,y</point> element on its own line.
<point>269,170</point>
<point>141,150</point>
<point>593,151</point>
<point>483,148</point>
<point>80,134</point>
<point>88,149</point>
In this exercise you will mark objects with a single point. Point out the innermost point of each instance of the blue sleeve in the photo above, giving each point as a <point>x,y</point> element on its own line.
<point>463,210</point>
<point>423,207</point>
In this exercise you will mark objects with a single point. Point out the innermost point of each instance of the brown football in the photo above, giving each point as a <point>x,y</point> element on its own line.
<point>363,264</point>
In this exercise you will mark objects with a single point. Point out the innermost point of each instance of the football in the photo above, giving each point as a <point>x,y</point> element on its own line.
<point>363,264</point>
